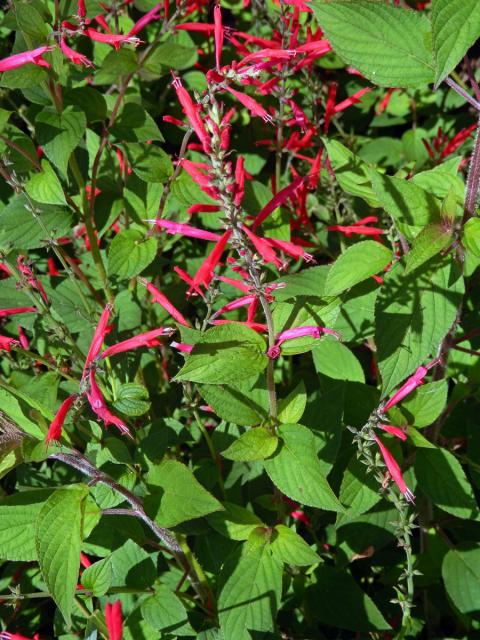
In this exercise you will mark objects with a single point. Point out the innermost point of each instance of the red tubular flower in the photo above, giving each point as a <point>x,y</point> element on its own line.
<point>238,284</point>
<point>194,290</point>
<point>353,99</point>
<point>22,336</point>
<point>98,337</point>
<point>162,300</point>
<point>97,403</point>
<point>263,248</point>
<point>84,560</point>
<point>252,105</point>
<point>113,618</point>
<point>6,635</point>
<point>394,431</point>
<point>191,111</point>
<point>291,249</point>
<point>256,326</point>
<point>55,428</point>
<point>81,9</point>
<point>6,343</point>
<point>394,470</point>
<point>196,26</point>
<point>203,208</point>
<point>299,332</point>
<point>115,39</point>
<point>235,304</point>
<point>330,106</point>
<point>148,339</point>
<point>180,346</point>
<point>207,269</point>
<point>73,56</point>
<point>219,34</point>
<point>27,273</point>
<point>185,230</point>
<point>239,181</point>
<point>14,310</point>
<point>457,141</point>
<point>406,389</point>
<point>19,59</point>
<point>277,200</point>
<point>273,54</point>
<point>153,14</point>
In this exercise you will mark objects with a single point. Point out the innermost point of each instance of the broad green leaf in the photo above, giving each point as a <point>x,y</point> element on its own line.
<point>337,600</point>
<point>225,354</point>
<point>243,404</point>
<point>67,306</point>
<point>4,117</point>
<point>255,444</point>
<point>59,133</point>
<point>461,576</point>
<point>307,283</point>
<point>333,359</point>
<point>441,477</point>
<point>359,490</point>
<point>389,45</point>
<point>418,440</point>
<point>296,471</point>
<point>471,236</point>
<point>176,495</point>
<point>130,253</point>
<point>351,172</point>
<point>409,205</point>
<point>58,532</point>
<point>116,64</point>
<point>291,408</point>
<point>413,315</point>
<point>132,399</point>
<point>20,230</point>
<point>235,522</point>
<point>287,546</point>
<point>149,162</point>
<point>187,191</point>
<point>18,514</point>
<point>89,100</point>
<point>357,263</point>
<point>250,596</point>
<point>132,567</point>
<point>97,578</point>
<point>165,612</point>
<point>10,405</point>
<point>426,403</point>
<point>44,187</point>
<point>171,55</point>
<point>429,242</point>
<point>30,22</point>
<point>134,124</point>
<point>455,28</point>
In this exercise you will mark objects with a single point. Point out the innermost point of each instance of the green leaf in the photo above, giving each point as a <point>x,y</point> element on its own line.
<point>58,538</point>
<point>388,45</point>
<point>429,242</point>
<point>130,253</point>
<point>413,315</point>
<point>461,576</point>
<point>289,547</point>
<point>4,117</point>
<point>337,600</point>
<point>226,353</point>
<point>89,100</point>
<point>165,612</point>
<point>97,578</point>
<point>426,403</point>
<point>333,359</point>
<point>59,133</point>
<point>357,263</point>
<point>132,567</point>
<point>291,408</point>
<point>243,404</point>
<point>45,187</point>
<point>18,514</point>
<point>235,522</point>
<point>149,162</point>
<point>20,230</point>
<point>351,172</point>
<point>471,236</point>
<point>177,496</point>
<point>255,444</point>
<point>30,22</point>
<point>132,399</point>
<point>171,55</point>
<point>116,64</point>
<point>409,204</point>
<point>359,490</point>
<point>135,125</point>
<point>441,477</point>
<point>250,597</point>
<point>455,28</point>
<point>296,471</point>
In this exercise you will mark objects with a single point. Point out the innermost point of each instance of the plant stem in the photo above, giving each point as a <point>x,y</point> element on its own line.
<point>458,89</point>
<point>212,450</point>
<point>473,181</point>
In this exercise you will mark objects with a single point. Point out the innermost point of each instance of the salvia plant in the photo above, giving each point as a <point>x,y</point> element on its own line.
<point>240,342</point>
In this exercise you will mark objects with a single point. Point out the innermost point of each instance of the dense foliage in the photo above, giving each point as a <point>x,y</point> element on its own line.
<point>238,297</point>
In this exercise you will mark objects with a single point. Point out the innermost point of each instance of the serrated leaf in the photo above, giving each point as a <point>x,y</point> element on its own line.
<point>441,477</point>
<point>132,399</point>
<point>250,597</point>
<point>59,133</point>
<point>132,567</point>
<point>226,353</point>
<point>134,124</point>
<point>296,471</point>
<point>471,236</point>
<point>243,404</point>
<point>235,522</point>
<point>333,359</point>
<point>30,21</point>
<point>291,408</point>
<point>351,172</point>
<point>45,187</point>
<point>58,538</point>
<point>255,444</point>
<point>130,253</point>
<point>165,612</point>
<point>149,162</point>
<point>429,242</point>
<point>461,576</point>
<point>455,28</point>
<point>359,491</point>
<point>426,403</point>
<point>97,578</point>
<point>176,495</point>
<point>291,548</point>
<point>388,45</point>
<point>18,514</point>
<point>357,263</point>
